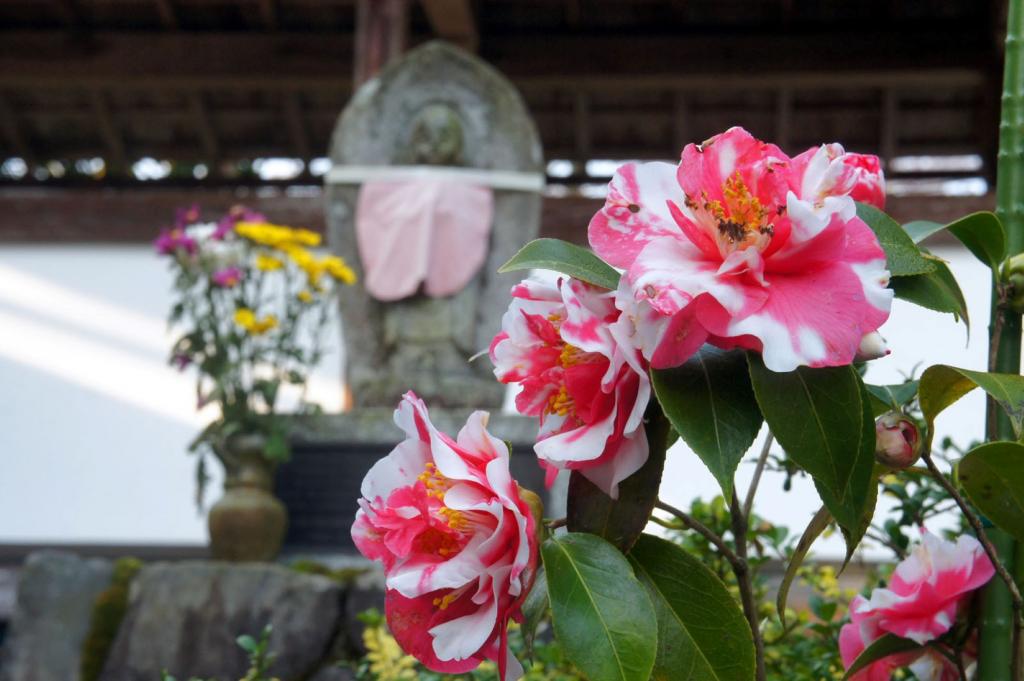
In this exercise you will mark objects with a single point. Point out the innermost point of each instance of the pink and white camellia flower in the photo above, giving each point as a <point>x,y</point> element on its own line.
<point>921,603</point>
<point>565,344</point>
<point>927,665</point>
<point>457,538</point>
<point>741,246</point>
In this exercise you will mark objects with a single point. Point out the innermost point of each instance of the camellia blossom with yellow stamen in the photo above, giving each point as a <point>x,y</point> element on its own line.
<point>741,246</point>
<point>457,538</point>
<point>246,319</point>
<point>581,375</point>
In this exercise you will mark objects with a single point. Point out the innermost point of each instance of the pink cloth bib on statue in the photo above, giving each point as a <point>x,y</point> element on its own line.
<point>433,232</point>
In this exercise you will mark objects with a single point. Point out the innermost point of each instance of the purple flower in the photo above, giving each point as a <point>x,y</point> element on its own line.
<point>227,277</point>
<point>186,216</point>
<point>236,214</point>
<point>171,240</point>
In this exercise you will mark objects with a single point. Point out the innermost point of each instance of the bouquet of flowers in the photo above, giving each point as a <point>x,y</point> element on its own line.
<point>251,300</point>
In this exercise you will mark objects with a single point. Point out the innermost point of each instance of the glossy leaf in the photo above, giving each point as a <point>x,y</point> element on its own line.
<point>817,416</point>
<point>854,510</point>
<point>902,257</point>
<point>883,646</point>
<point>562,256</point>
<point>813,530</point>
<point>919,230</point>
<point>983,235</point>
<point>702,633</point>
<point>621,520</point>
<point>937,290</point>
<point>942,385</point>
<point>888,397</point>
<point>711,404</point>
<point>602,616</point>
<point>993,476</point>
<point>534,608</point>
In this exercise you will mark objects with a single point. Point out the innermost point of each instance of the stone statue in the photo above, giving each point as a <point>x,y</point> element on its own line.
<point>439,111</point>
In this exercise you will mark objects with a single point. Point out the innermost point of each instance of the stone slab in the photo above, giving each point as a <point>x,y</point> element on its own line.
<point>52,614</point>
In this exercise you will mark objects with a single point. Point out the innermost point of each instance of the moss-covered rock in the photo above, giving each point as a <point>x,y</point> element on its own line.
<point>107,614</point>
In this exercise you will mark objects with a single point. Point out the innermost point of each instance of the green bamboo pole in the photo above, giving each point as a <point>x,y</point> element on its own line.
<point>996,645</point>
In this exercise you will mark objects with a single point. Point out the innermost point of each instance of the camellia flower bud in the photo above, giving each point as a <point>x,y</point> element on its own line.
<point>897,440</point>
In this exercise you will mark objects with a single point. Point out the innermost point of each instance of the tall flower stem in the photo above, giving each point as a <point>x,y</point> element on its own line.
<point>746,586</point>
<point>999,647</point>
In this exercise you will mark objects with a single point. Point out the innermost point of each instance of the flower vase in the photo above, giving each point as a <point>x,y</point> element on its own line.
<point>248,523</point>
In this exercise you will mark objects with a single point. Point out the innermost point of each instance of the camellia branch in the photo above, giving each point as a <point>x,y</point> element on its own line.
<point>703,530</point>
<point>762,460</point>
<point>742,570</point>
<point>737,560</point>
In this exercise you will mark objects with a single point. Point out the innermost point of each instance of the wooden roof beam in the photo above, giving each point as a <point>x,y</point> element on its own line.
<point>168,16</point>
<point>297,127</point>
<point>269,14</point>
<point>453,20</point>
<point>203,123</point>
<point>118,159</point>
<point>17,140</point>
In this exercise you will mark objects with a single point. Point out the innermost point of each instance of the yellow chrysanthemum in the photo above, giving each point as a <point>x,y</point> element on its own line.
<point>339,269</point>
<point>268,263</point>
<point>306,261</point>
<point>246,319</point>
<point>387,661</point>
<point>276,236</point>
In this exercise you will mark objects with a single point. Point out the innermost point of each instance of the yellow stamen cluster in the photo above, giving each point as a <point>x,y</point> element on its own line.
<point>570,355</point>
<point>455,519</point>
<point>443,603</point>
<point>434,481</point>
<point>745,209</point>
<point>246,319</point>
<point>561,402</point>
<point>740,218</point>
<point>305,296</point>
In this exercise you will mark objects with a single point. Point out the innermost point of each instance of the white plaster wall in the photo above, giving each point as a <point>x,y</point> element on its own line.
<point>94,424</point>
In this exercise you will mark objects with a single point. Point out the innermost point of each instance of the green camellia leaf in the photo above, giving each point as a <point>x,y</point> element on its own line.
<point>621,520</point>
<point>888,397</point>
<point>602,616</point>
<point>884,646</point>
<point>919,230</point>
<point>562,256</point>
<point>983,235</point>
<point>702,634</point>
<point>902,257</point>
<point>710,403</point>
<point>993,476</point>
<point>854,510</point>
<point>534,608</point>
<point>937,290</point>
<point>817,415</point>
<point>942,385</point>
<point>814,529</point>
